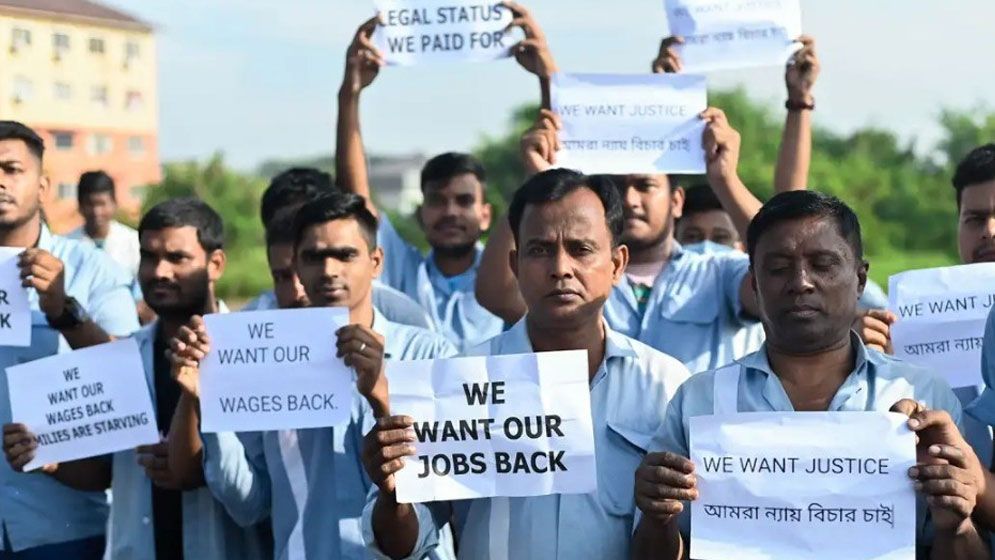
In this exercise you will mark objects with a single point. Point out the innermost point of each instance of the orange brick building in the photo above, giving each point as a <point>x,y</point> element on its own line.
<point>85,77</point>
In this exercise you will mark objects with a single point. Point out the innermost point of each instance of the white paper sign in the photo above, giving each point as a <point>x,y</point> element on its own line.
<point>420,31</point>
<point>722,34</point>
<point>941,318</point>
<point>275,370</point>
<point>15,309</point>
<point>84,403</point>
<point>623,124</point>
<point>814,485</point>
<point>487,426</point>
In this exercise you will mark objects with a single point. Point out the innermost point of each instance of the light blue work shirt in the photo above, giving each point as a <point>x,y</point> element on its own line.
<point>36,509</point>
<point>694,311</point>
<point>208,532</point>
<point>449,300</point>
<point>394,304</point>
<point>873,297</point>
<point>876,383</point>
<point>629,395</point>
<point>311,483</point>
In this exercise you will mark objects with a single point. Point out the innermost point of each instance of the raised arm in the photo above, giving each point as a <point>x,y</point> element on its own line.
<point>795,154</point>
<point>533,52</point>
<point>363,62</point>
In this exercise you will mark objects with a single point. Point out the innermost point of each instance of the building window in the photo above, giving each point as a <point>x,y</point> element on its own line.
<point>21,38</point>
<point>98,95</point>
<point>96,45</point>
<point>100,144</point>
<point>67,190</point>
<point>63,91</point>
<point>63,140</point>
<point>60,42</point>
<point>134,101</point>
<point>132,50</point>
<point>136,145</point>
<point>24,89</point>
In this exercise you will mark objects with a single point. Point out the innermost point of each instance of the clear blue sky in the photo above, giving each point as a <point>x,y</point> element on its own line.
<point>258,78</point>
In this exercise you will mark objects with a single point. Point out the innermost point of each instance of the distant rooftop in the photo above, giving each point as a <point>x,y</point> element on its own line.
<point>75,9</point>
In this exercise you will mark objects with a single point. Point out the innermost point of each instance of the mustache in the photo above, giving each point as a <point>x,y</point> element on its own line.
<point>4,197</point>
<point>448,222</point>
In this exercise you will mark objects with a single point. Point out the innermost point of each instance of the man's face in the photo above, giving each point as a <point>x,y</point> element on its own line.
<point>336,265</point>
<point>454,214</point>
<point>22,184</point>
<point>650,209</point>
<point>98,209</point>
<point>976,223</point>
<point>565,263</point>
<point>286,285</point>
<point>175,271</point>
<point>711,225</point>
<point>807,281</point>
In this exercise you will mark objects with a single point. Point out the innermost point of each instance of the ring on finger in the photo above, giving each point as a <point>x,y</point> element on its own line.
<point>362,347</point>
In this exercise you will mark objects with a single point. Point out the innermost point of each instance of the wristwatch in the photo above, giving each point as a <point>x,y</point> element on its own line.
<point>73,315</point>
<point>800,105</point>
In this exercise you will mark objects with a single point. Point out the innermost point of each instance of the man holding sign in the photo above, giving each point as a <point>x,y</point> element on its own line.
<point>807,266</point>
<point>568,229</point>
<point>295,476</point>
<point>78,298</point>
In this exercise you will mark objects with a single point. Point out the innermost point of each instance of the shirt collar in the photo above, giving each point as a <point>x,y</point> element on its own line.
<point>759,361</point>
<point>45,239</point>
<point>617,345</point>
<point>459,281</point>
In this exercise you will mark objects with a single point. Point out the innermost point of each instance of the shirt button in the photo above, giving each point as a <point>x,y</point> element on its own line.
<point>146,521</point>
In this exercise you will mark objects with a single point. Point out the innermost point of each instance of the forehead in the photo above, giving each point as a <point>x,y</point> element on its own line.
<point>280,255</point>
<point>345,232</point>
<point>171,238</point>
<point>578,215</point>
<point>640,178</point>
<point>15,150</point>
<point>708,219</point>
<point>979,197</point>
<point>801,236</point>
<point>464,183</point>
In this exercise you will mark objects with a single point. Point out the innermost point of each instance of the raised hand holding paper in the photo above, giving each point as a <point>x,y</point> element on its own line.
<point>723,34</point>
<point>941,318</point>
<point>84,403</point>
<point>275,370</point>
<point>816,485</point>
<point>15,309</point>
<point>515,425</point>
<point>624,124</point>
<point>418,31</point>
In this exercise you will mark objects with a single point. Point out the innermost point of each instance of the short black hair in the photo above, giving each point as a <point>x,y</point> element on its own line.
<point>94,182</point>
<point>294,186</point>
<point>280,229</point>
<point>700,198</point>
<point>555,184</point>
<point>444,167</point>
<point>183,212</point>
<point>336,205</point>
<point>13,130</point>
<point>794,205</point>
<point>977,167</point>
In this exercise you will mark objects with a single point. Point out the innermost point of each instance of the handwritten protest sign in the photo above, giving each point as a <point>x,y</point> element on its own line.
<point>84,403</point>
<point>722,34</point>
<point>630,123</point>
<point>515,425</point>
<point>419,31</point>
<point>941,318</point>
<point>275,370</point>
<point>815,485</point>
<point>15,310</point>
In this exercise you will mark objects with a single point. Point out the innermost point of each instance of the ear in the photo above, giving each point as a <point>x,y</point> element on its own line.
<point>620,260</point>
<point>44,186</point>
<point>376,255</point>
<point>418,218</point>
<point>216,263</point>
<point>739,246</point>
<point>753,283</point>
<point>513,261</point>
<point>677,202</point>
<point>862,271</point>
<point>486,214</point>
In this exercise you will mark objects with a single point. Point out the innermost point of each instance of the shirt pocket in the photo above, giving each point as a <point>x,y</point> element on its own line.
<point>695,303</point>
<point>623,450</point>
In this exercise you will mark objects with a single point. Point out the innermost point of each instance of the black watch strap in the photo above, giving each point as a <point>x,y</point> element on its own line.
<point>73,315</point>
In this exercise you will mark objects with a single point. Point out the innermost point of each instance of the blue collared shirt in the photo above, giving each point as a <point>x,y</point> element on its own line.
<point>395,306</point>
<point>208,531</point>
<point>629,395</point>
<point>449,301</point>
<point>877,382</point>
<point>310,482</point>
<point>694,311</point>
<point>35,509</point>
<point>982,410</point>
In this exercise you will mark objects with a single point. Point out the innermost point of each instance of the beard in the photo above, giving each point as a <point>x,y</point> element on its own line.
<point>652,241</point>
<point>455,251</point>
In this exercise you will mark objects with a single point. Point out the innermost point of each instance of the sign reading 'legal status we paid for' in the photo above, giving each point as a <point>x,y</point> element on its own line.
<point>420,31</point>
<point>814,485</point>
<point>624,124</point>
<point>517,425</point>
<point>275,370</point>
<point>941,318</point>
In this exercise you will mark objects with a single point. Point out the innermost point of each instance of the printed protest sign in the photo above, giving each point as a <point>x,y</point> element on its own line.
<point>274,370</point>
<point>624,124</point>
<point>84,403</point>
<point>15,310</point>
<point>815,485</point>
<point>723,34</point>
<point>941,318</point>
<point>486,426</point>
<point>420,31</point>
